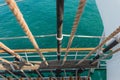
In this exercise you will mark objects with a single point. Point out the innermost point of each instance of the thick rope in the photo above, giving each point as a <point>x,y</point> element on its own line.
<point>101,44</point>
<point>5,48</point>
<point>113,52</point>
<point>75,25</point>
<point>6,61</point>
<point>19,16</point>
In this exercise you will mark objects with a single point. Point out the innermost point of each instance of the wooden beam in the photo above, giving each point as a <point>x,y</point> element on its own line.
<point>49,50</point>
<point>71,63</point>
<point>54,65</point>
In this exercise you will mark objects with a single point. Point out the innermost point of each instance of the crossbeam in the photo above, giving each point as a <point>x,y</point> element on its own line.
<point>68,64</point>
<point>55,65</point>
<point>49,50</point>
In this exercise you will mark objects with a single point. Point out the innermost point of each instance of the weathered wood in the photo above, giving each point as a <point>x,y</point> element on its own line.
<point>7,67</point>
<point>68,64</point>
<point>53,65</point>
<point>50,50</point>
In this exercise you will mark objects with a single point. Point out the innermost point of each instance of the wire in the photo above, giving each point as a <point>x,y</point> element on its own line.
<point>50,35</point>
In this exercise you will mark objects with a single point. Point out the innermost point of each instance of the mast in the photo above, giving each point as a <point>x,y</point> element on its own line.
<point>59,12</point>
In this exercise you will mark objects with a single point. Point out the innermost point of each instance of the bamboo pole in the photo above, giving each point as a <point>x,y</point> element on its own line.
<point>14,8</point>
<point>101,44</point>
<point>74,28</point>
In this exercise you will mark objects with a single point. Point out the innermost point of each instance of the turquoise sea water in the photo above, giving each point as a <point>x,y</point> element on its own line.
<point>41,18</point>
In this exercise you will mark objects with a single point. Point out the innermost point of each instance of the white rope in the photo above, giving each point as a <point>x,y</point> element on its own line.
<point>39,73</point>
<point>4,4</point>
<point>26,57</point>
<point>24,73</point>
<point>13,74</point>
<point>46,55</point>
<point>65,73</point>
<point>50,35</point>
<point>12,67</point>
<point>59,38</point>
<point>75,55</point>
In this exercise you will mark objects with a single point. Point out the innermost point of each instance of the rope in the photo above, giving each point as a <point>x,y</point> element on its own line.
<point>50,35</point>
<point>75,25</point>
<point>101,44</point>
<point>113,52</point>
<point>46,56</point>
<point>6,61</point>
<point>5,48</point>
<point>19,16</point>
<point>24,73</point>
<point>26,56</point>
<point>2,77</point>
<point>39,74</point>
<point>6,4</point>
<point>13,74</point>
